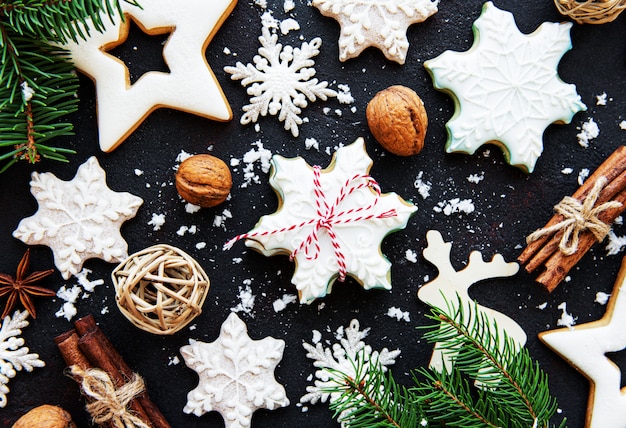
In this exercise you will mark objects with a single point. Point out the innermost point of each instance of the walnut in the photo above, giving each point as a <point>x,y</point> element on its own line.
<point>398,120</point>
<point>203,180</point>
<point>45,416</point>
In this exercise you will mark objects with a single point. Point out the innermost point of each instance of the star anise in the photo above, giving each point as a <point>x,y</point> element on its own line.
<point>21,286</point>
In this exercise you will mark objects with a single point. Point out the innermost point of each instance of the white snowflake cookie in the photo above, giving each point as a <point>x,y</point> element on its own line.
<point>330,221</point>
<point>379,23</point>
<point>506,88</point>
<point>236,374</point>
<point>78,219</point>
<point>14,356</point>
<point>190,84</point>
<point>280,81</point>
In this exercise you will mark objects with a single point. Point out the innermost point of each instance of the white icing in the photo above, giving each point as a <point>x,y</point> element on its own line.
<point>584,346</point>
<point>379,23</point>
<point>190,85</point>
<point>78,219</point>
<point>359,241</point>
<point>451,287</point>
<point>506,87</point>
<point>236,374</point>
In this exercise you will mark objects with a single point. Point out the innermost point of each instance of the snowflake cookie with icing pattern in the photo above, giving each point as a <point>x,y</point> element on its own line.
<point>280,81</point>
<point>78,219</point>
<point>331,222</point>
<point>14,356</point>
<point>236,374</point>
<point>506,88</point>
<point>190,84</point>
<point>379,23</point>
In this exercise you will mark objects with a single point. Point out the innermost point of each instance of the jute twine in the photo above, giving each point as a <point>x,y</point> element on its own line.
<point>591,11</point>
<point>578,217</point>
<point>160,289</point>
<point>109,404</point>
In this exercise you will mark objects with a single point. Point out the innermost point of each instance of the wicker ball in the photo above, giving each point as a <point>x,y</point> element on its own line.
<point>160,289</point>
<point>591,11</point>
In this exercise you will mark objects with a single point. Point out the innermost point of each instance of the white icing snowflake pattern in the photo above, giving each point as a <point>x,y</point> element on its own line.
<point>281,81</point>
<point>379,23</point>
<point>506,87</point>
<point>236,374</point>
<point>14,356</point>
<point>332,222</point>
<point>342,357</point>
<point>78,219</point>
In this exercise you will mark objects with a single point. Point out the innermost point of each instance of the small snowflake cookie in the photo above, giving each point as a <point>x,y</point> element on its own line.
<point>331,222</point>
<point>506,88</point>
<point>281,81</point>
<point>236,374</point>
<point>189,86</point>
<point>78,219</point>
<point>379,23</point>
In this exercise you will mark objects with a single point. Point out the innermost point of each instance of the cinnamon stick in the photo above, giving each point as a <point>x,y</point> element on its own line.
<point>72,355</point>
<point>98,347</point>
<point>545,250</point>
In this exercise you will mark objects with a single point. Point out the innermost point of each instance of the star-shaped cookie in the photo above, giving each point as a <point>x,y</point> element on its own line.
<point>585,346</point>
<point>236,374</point>
<point>506,88</point>
<point>190,85</point>
<point>379,23</point>
<point>78,219</point>
<point>330,221</point>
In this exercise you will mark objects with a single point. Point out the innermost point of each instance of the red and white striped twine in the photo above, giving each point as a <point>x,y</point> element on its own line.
<point>326,218</point>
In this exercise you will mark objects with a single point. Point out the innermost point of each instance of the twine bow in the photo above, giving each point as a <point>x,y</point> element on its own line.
<point>578,217</point>
<point>110,404</point>
<point>327,216</point>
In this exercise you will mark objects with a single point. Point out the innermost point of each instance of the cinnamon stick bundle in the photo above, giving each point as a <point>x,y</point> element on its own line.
<point>87,347</point>
<point>545,251</point>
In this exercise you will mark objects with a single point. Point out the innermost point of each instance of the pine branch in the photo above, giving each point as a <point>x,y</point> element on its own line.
<point>509,383</point>
<point>372,398</point>
<point>38,87</point>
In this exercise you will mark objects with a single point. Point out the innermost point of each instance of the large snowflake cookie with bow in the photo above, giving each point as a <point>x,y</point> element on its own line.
<point>78,219</point>
<point>189,86</point>
<point>506,88</point>
<point>236,374</point>
<point>379,23</point>
<point>331,222</point>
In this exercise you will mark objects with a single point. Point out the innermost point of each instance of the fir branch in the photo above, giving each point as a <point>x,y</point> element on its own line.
<point>372,398</point>
<point>38,87</point>
<point>505,375</point>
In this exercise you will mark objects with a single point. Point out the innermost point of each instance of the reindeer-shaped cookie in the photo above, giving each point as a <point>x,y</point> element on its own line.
<point>450,283</point>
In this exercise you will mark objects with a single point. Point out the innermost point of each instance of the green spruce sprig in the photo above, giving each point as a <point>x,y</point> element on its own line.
<point>38,86</point>
<point>492,382</point>
<point>372,398</point>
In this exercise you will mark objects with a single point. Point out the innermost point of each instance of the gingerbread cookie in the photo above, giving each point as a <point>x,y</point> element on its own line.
<point>78,219</point>
<point>506,88</point>
<point>379,23</point>
<point>331,222</point>
<point>190,85</point>
<point>585,347</point>
<point>236,374</point>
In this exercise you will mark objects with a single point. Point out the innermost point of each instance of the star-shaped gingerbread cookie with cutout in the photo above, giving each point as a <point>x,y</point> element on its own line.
<point>78,219</point>
<point>331,222</point>
<point>379,23</point>
<point>190,85</point>
<point>506,88</point>
<point>236,374</point>
<point>585,347</point>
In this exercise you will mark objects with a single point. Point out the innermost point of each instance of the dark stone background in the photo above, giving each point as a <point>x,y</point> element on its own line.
<point>509,205</point>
